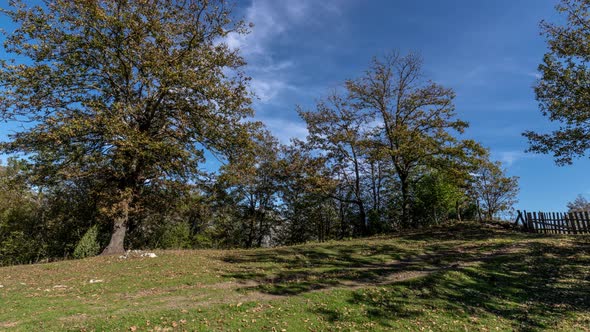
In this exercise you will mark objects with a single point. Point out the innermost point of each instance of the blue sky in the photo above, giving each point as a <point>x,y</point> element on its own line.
<point>486,50</point>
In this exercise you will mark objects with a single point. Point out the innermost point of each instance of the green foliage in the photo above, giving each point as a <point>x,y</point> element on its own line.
<point>436,199</point>
<point>20,234</point>
<point>494,191</point>
<point>176,236</point>
<point>88,245</point>
<point>562,91</point>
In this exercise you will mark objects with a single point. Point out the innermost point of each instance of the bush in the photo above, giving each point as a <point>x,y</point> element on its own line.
<point>176,236</point>
<point>20,248</point>
<point>88,246</point>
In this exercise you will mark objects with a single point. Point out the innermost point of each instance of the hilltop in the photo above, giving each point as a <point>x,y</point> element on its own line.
<point>461,276</point>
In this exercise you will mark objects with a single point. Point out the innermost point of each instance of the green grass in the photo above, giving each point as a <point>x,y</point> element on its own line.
<point>461,277</point>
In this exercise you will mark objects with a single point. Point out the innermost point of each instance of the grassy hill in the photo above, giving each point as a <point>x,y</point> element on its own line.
<point>462,277</point>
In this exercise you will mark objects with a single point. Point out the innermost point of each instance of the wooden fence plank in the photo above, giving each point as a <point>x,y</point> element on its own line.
<point>586,222</point>
<point>564,223</point>
<point>578,223</point>
<point>546,226</point>
<point>559,223</point>
<point>529,219</point>
<point>572,222</point>
<point>575,222</point>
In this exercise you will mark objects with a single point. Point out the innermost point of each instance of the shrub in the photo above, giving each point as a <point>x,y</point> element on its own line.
<point>88,246</point>
<point>176,236</point>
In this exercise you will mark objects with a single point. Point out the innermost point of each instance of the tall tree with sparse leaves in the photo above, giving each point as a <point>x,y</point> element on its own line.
<point>338,131</point>
<point>414,117</point>
<point>563,92</point>
<point>129,92</point>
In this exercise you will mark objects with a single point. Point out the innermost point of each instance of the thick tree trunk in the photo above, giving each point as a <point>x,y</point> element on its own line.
<point>116,245</point>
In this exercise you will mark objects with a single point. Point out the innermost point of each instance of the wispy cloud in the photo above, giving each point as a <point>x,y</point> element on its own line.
<point>286,129</point>
<point>274,73</point>
<point>272,19</point>
<point>508,158</point>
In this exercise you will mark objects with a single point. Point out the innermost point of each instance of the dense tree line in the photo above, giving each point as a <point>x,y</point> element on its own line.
<point>125,98</point>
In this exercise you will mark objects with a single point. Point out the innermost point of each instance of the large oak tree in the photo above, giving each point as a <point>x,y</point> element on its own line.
<point>128,92</point>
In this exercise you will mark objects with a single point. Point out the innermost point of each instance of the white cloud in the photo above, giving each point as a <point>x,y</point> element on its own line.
<point>535,75</point>
<point>508,158</point>
<point>273,73</point>
<point>267,89</point>
<point>272,19</point>
<point>285,129</point>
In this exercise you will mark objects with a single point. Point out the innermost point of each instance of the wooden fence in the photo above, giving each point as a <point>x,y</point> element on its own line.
<point>555,222</point>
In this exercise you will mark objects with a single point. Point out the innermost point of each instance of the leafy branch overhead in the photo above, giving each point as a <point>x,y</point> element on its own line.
<point>563,92</point>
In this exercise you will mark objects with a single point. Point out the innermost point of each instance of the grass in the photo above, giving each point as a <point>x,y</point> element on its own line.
<point>459,277</point>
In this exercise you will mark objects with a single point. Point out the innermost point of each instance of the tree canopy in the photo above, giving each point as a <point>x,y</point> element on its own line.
<point>130,93</point>
<point>563,92</point>
<point>122,101</point>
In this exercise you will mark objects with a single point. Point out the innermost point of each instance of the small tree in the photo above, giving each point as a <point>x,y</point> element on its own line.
<point>436,198</point>
<point>563,91</point>
<point>129,93</point>
<point>494,191</point>
<point>580,204</point>
<point>251,179</point>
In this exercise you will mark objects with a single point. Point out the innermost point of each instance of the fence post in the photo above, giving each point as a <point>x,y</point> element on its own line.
<point>572,222</point>
<point>519,218</point>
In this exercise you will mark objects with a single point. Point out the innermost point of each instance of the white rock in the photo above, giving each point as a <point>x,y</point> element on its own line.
<point>149,254</point>
<point>60,286</point>
<point>1,286</point>
<point>95,281</point>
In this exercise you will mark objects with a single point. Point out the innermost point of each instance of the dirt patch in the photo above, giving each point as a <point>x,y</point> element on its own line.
<point>8,324</point>
<point>74,318</point>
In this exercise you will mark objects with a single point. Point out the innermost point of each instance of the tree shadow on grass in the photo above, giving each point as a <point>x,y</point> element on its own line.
<point>531,285</point>
<point>533,290</point>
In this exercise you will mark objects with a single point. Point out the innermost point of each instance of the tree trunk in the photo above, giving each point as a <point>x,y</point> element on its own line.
<point>479,211</point>
<point>343,228</point>
<point>406,222</point>
<point>116,245</point>
<point>362,218</point>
